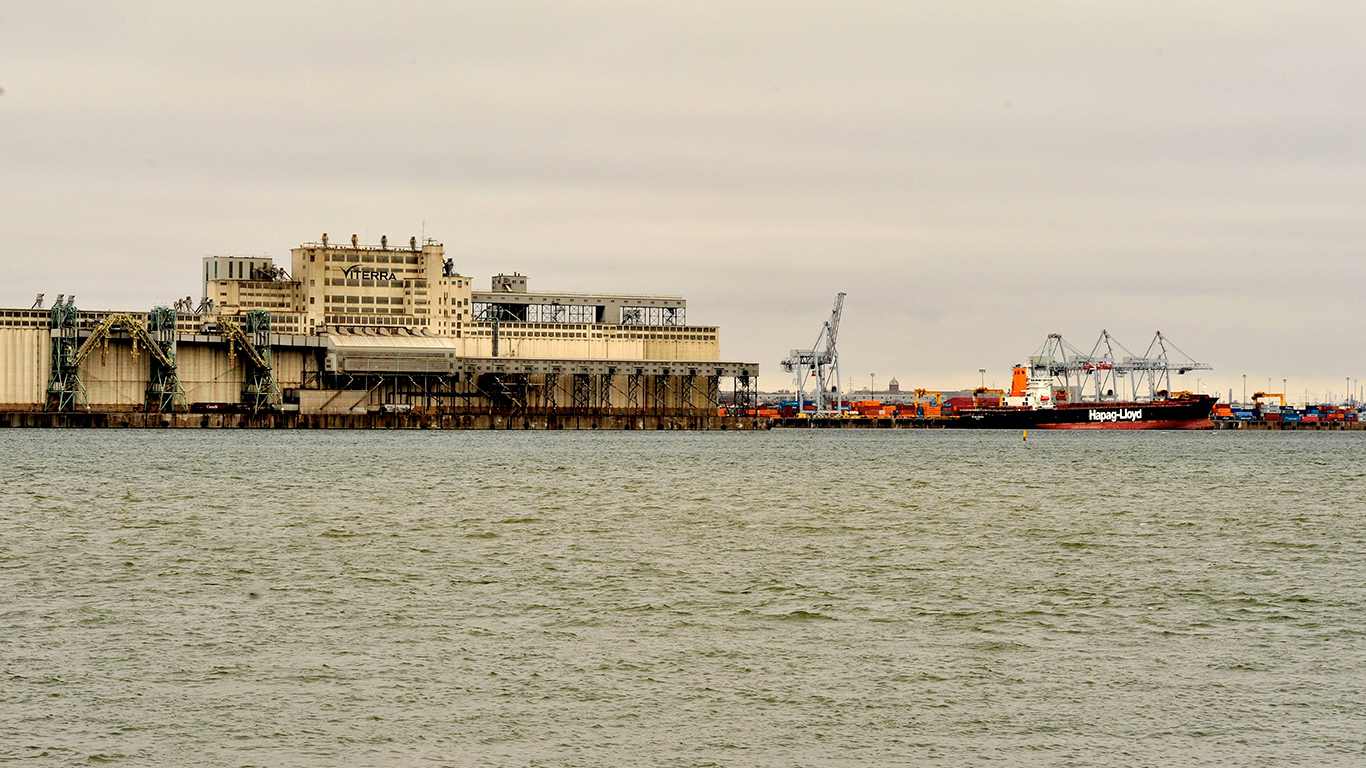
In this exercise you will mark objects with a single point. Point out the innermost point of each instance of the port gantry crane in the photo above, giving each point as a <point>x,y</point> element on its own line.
<point>1258,397</point>
<point>1101,375</point>
<point>822,362</point>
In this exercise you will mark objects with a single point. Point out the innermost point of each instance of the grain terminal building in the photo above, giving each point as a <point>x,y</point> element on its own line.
<point>353,329</point>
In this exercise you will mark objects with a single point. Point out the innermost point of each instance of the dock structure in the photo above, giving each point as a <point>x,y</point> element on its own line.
<point>389,332</point>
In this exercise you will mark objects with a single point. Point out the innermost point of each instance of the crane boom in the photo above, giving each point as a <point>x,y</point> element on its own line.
<point>833,327</point>
<point>137,330</point>
<point>238,338</point>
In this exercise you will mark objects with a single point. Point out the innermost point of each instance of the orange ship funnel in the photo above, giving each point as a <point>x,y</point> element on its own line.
<point>1019,382</point>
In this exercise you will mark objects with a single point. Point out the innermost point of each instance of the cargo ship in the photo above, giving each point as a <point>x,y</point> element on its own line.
<point>1063,388</point>
<point>1181,410</point>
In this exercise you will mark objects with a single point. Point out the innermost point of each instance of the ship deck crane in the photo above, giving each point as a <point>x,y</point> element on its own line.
<point>821,362</point>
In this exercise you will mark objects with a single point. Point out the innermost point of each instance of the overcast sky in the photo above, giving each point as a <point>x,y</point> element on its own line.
<point>974,175</point>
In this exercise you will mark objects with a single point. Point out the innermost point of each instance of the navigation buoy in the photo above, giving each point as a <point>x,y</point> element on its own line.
<point>1025,436</point>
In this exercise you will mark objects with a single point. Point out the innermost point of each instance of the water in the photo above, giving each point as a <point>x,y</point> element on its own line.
<point>676,599</point>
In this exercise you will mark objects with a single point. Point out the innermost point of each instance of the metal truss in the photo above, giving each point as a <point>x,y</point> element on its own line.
<point>605,389</point>
<point>686,385</point>
<point>581,392</point>
<point>550,392</point>
<point>745,395</point>
<point>65,391</point>
<point>667,316</point>
<point>635,382</point>
<point>164,391</point>
<point>659,394</point>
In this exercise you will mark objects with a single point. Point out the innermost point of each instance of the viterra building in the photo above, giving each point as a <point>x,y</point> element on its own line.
<point>374,330</point>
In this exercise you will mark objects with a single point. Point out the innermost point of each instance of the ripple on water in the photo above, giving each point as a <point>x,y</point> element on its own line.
<point>564,598</point>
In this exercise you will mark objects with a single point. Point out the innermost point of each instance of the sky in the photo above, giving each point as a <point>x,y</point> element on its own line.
<point>974,175</point>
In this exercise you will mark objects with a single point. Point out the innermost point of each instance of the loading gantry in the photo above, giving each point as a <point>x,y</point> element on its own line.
<point>259,390</point>
<point>65,389</point>
<point>164,391</point>
<point>65,392</point>
<point>821,362</point>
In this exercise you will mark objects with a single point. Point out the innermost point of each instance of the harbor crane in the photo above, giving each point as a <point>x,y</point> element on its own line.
<point>1258,397</point>
<point>821,362</point>
<point>1103,374</point>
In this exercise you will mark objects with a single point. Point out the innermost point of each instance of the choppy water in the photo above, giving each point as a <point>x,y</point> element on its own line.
<point>676,599</point>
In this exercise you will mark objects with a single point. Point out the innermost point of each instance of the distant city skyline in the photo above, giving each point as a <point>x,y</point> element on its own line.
<point>974,176</point>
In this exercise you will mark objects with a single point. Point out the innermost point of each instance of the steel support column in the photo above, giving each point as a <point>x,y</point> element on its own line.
<point>634,383</point>
<point>744,395</point>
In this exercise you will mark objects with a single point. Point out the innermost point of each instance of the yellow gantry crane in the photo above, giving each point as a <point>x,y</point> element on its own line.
<point>1258,396</point>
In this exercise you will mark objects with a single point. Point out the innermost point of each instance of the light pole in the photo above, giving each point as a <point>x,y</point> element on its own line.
<point>1244,403</point>
<point>872,383</point>
<point>983,371</point>
<point>1284,389</point>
